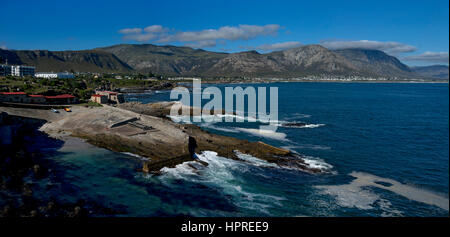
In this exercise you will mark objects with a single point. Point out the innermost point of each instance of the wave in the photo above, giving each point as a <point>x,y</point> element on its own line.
<point>221,174</point>
<point>356,195</point>
<point>317,163</point>
<point>254,161</point>
<point>265,133</point>
<point>215,118</point>
<point>299,125</point>
<point>313,125</point>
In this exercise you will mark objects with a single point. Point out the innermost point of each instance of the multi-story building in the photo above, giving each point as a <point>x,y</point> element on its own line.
<point>5,70</point>
<point>51,75</point>
<point>22,70</point>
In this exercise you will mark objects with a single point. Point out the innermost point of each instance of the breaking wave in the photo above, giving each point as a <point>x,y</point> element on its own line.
<point>317,163</point>
<point>299,125</point>
<point>265,133</point>
<point>221,174</point>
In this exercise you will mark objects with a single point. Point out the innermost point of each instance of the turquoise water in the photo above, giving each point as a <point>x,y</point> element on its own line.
<point>383,147</point>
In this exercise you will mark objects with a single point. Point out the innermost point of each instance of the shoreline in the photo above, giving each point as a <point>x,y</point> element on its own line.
<point>159,139</point>
<point>320,81</point>
<point>143,90</point>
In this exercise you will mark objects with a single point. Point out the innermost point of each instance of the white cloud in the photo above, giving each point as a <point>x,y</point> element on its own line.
<point>155,29</point>
<point>241,32</point>
<point>202,44</point>
<point>3,47</point>
<point>435,57</point>
<point>130,31</point>
<point>202,38</point>
<point>388,47</point>
<point>140,37</point>
<point>279,46</point>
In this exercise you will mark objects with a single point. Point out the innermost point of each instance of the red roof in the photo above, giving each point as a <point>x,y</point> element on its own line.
<point>35,95</point>
<point>64,96</point>
<point>109,92</point>
<point>13,93</point>
<point>97,95</point>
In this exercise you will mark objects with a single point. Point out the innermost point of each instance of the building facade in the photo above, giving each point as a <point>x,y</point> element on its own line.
<point>54,75</point>
<point>61,99</point>
<point>113,97</point>
<point>101,99</point>
<point>37,99</point>
<point>22,97</point>
<point>21,71</point>
<point>5,70</point>
<point>15,97</point>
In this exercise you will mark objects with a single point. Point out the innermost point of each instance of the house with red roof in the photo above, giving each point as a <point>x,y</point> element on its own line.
<point>113,97</point>
<point>37,99</point>
<point>61,99</point>
<point>15,97</point>
<point>101,99</point>
<point>22,97</point>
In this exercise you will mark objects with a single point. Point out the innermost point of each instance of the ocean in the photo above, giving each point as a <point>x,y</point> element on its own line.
<point>383,147</point>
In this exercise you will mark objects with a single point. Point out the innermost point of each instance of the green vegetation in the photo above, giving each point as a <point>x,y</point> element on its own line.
<point>83,86</point>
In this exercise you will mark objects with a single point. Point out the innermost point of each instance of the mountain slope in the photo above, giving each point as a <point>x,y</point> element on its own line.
<point>168,60</point>
<point>308,60</point>
<point>376,61</point>
<point>313,60</point>
<point>301,61</point>
<point>80,61</point>
<point>185,61</point>
<point>433,71</point>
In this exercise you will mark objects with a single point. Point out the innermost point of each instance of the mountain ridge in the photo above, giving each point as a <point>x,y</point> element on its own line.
<point>306,60</point>
<point>70,60</point>
<point>433,71</point>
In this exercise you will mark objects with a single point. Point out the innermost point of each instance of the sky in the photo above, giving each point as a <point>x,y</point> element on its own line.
<point>417,32</point>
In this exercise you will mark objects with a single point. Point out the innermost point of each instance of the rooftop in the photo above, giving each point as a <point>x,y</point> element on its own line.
<point>64,96</point>
<point>13,93</point>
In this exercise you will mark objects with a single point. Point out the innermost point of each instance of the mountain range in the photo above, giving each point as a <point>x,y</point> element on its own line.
<point>185,61</point>
<point>433,71</point>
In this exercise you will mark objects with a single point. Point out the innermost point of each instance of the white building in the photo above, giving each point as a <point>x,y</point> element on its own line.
<point>21,71</point>
<point>51,75</point>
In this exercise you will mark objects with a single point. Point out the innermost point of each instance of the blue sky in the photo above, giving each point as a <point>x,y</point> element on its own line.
<point>415,31</point>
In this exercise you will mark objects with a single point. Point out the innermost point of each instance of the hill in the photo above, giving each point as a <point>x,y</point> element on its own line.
<point>308,60</point>
<point>78,61</point>
<point>301,61</point>
<point>433,71</point>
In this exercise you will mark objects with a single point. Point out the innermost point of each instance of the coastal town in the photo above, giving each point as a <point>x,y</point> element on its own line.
<point>14,94</point>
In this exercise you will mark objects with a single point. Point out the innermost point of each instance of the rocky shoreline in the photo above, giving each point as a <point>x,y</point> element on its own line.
<point>149,133</point>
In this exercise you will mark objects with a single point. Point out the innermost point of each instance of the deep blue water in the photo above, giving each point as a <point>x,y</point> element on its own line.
<point>387,133</point>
